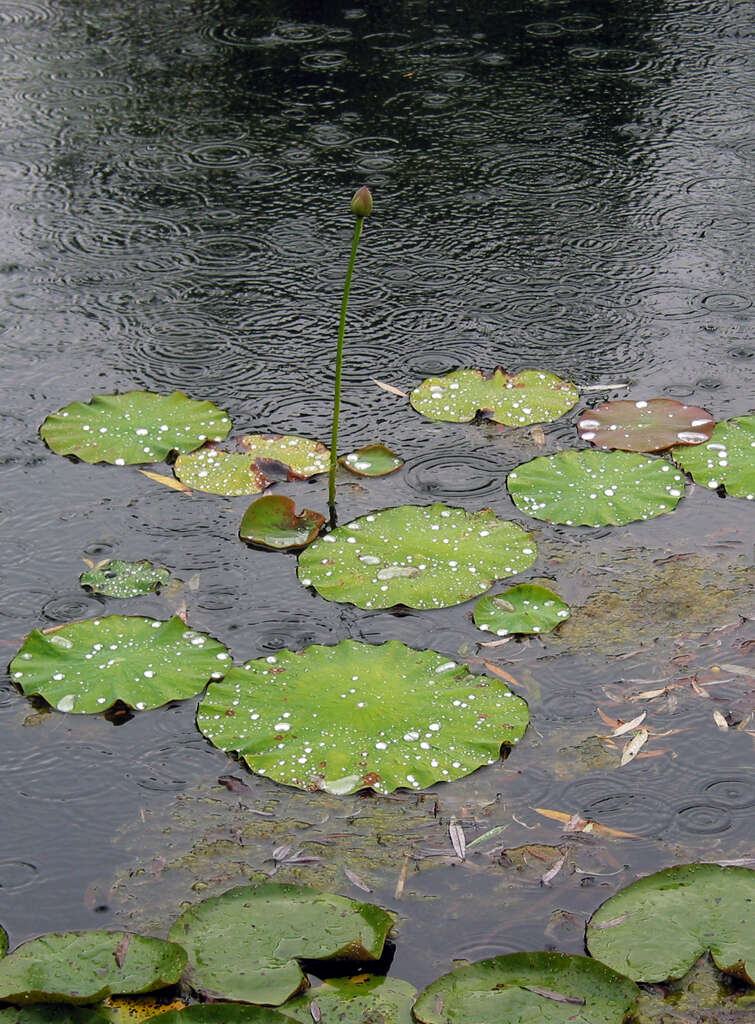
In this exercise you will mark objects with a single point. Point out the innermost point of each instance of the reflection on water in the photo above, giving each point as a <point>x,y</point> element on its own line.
<point>557,183</point>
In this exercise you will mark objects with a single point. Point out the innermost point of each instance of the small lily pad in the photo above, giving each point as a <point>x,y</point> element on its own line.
<point>135,427</point>
<point>365,999</point>
<point>726,460</point>
<point>225,1013</point>
<point>88,666</point>
<point>372,460</point>
<point>245,944</point>
<point>421,556</point>
<point>531,988</point>
<point>531,396</point>
<point>592,488</point>
<point>301,457</point>
<point>657,927</point>
<point>525,608</point>
<point>85,967</point>
<point>124,579</point>
<point>357,715</point>
<point>645,426</point>
<point>272,522</point>
<point>264,460</point>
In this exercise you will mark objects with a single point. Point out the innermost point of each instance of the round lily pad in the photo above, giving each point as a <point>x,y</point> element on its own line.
<point>645,426</point>
<point>421,556</point>
<point>301,457</point>
<point>85,967</point>
<point>525,608</point>
<point>244,945</point>
<point>592,488</point>
<point>265,459</point>
<point>137,426</point>
<point>657,927</point>
<point>272,522</point>
<point>726,460</point>
<point>357,715</point>
<point>372,460</point>
<point>365,999</point>
<point>529,988</point>
<point>124,579</point>
<point>88,666</point>
<point>531,396</point>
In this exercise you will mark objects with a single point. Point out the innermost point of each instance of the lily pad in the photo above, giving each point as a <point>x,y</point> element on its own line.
<point>265,460</point>
<point>272,522</point>
<point>525,608</point>
<point>531,396</point>
<point>88,666</point>
<point>365,999</point>
<point>244,944</point>
<point>591,488</point>
<point>645,426</point>
<point>85,967</point>
<point>658,926</point>
<point>355,715</point>
<point>124,579</point>
<point>421,556</point>
<point>225,1013</point>
<point>727,459</point>
<point>529,988</point>
<point>135,427</point>
<point>372,460</point>
<point>51,1013</point>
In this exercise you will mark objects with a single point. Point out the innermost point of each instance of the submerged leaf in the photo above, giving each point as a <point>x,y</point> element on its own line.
<point>355,715</point>
<point>367,999</point>
<point>525,608</point>
<point>115,578</point>
<point>272,522</point>
<point>726,460</point>
<point>372,460</point>
<point>138,426</point>
<point>88,666</point>
<point>645,426</point>
<point>421,556</point>
<point>531,396</point>
<point>244,944</point>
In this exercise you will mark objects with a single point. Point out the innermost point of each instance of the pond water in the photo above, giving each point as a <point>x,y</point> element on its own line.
<point>559,184</point>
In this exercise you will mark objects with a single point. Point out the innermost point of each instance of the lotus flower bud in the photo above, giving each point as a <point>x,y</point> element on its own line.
<point>361,204</point>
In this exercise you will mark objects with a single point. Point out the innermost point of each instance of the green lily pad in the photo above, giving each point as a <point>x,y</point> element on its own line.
<point>137,426</point>
<point>531,396</point>
<point>727,459</point>
<point>272,522</point>
<point>366,999</point>
<point>245,944</point>
<point>372,460</point>
<point>124,579</point>
<point>88,666</point>
<point>265,459</point>
<point>592,488</point>
<point>657,927</point>
<point>51,1013</point>
<point>526,608</point>
<point>85,967</point>
<point>529,988</point>
<point>225,1013</point>
<point>421,556</point>
<point>355,715</point>
<point>645,426</point>
<point>300,456</point>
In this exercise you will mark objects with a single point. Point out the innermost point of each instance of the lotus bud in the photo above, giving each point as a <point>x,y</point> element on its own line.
<point>361,204</point>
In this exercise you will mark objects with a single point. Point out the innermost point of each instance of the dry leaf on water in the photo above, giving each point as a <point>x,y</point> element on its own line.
<point>632,749</point>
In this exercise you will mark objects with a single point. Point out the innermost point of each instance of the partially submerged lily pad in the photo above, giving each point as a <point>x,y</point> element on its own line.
<point>244,944</point>
<point>134,427</point>
<point>658,926</point>
<point>645,426</point>
<point>264,460</point>
<point>372,460</point>
<point>726,460</point>
<point>421,556</point>
<point>531,396</point>
<point>592,488</point>
<point>355,715</point>
<point>272,522</point>
<point>85,967</point>
<point>531,988</point>
<point>115,578</point>
<point>365,999</point>
<point>88,666</point>
<point>525,608</point>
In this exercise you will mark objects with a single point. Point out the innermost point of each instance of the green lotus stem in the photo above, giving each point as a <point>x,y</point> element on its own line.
<point>361,205</point>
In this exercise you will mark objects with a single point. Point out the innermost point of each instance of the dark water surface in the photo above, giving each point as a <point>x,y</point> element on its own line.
<point>558,184</point>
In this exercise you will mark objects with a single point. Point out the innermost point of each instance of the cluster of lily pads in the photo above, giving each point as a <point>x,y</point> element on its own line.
<point>241,953</point>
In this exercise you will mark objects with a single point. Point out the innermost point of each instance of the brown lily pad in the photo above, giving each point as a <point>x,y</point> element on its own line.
<point>272,522</point>
<point>647,426</point>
